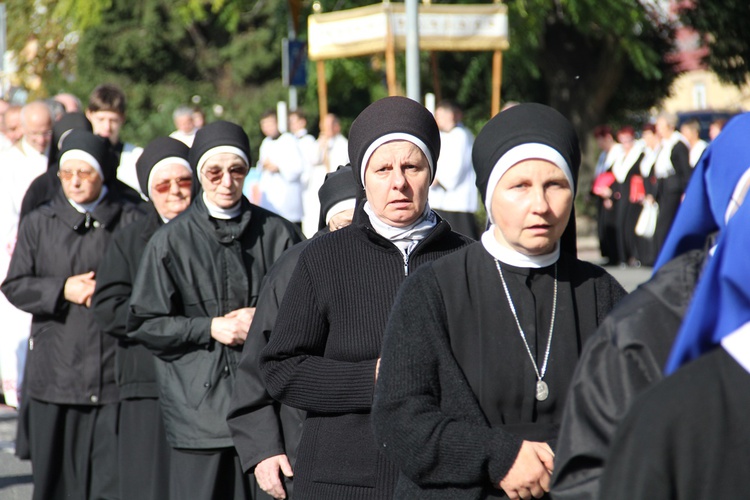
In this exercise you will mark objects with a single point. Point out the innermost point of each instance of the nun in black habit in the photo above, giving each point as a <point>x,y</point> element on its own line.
<point>481,344</point>
<point>324,351</point>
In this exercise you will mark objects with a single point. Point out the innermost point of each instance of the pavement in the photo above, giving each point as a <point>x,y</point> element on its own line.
<point>15,474</point>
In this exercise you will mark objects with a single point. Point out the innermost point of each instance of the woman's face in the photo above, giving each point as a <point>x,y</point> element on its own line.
<point>397,180</point>
<point>170,190</point>
<point>80,181</point>
<point>222,177</point>
<point>531,206</point>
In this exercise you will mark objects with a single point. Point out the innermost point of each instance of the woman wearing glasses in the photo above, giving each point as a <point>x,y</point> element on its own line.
<point>192,304</point>
<point>69,389</point>
<point>143,453</point>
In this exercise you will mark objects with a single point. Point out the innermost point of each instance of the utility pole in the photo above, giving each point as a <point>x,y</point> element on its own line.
<point>412,50</point>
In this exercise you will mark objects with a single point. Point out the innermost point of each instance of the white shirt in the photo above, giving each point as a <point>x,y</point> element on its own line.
<point>457,190</point>
<point>186,137</point>
<point>338,151</point>
<point>126,169</point>
<point>697,151</point>
<point>281,192</point>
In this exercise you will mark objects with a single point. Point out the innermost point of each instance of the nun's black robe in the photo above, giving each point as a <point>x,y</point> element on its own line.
<point>686,438</point>
<point>456,391</point>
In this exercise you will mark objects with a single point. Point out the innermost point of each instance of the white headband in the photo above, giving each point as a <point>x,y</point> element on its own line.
<point>340,207</point>
<point>532,150</point>
<point>397,136</point>
<point>171,160</point>
<point>79,154</point>
<point>221,149</point>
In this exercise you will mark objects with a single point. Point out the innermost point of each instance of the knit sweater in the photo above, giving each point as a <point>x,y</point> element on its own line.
<point>322,355</point>
<point>427,412</point>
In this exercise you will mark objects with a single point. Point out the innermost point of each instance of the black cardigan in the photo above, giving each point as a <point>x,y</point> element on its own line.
<point>426,413</point>
<point>322,355</point>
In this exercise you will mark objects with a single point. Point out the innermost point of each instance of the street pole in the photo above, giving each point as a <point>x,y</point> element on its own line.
<point>412,50</point>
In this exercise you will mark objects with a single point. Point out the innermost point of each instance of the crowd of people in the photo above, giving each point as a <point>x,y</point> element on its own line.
<point>327,320</point>
<point>639,183</point>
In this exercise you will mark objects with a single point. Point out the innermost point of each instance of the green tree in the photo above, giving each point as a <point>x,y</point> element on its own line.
<point>723,26</point>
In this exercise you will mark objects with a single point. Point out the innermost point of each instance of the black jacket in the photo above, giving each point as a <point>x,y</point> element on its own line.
<point>136,375</point>
<point>193,270</point>
<point>261,427</point>
<point>69,361</point>
<point>321,357</point>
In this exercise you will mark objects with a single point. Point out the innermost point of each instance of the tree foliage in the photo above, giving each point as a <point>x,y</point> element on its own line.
<point>595,60</point>
<point>723,26</point>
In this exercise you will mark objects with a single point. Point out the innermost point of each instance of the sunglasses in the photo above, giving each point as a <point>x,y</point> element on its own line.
<point>84,175</point>
<point>164,186</point>
<point>214,175</point>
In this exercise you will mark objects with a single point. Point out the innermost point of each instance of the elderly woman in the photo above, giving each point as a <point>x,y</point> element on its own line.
<point>325,348</point>
<point>481,345</point>
<point>69,388</point>
<point>192,304</point>
<point>143,453</point>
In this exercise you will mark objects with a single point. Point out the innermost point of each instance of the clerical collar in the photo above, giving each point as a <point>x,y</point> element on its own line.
<point>737,344</point>
<point>88,207</point>
<point>222,213</point>
<point>514,258</point>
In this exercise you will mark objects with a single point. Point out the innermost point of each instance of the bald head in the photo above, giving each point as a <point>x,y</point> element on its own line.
<point>36,124</point>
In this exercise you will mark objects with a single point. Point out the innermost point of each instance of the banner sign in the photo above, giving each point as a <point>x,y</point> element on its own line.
<point>368,30</point>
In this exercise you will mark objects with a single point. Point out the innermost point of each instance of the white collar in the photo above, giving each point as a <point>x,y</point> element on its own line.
<point>512,257</point>
<point>405,238</point>
<point>88,207</point>
<point>217,212</point>
<point>737,344</point>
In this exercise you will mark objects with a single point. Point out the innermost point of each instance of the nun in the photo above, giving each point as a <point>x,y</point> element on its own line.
<point>324,352</point>
<point>481,345</point>
<point>686,438</point>
<point>143,453</point>
<point>192,304</point>
<point>629,352</point>
<point>266,434</point>
<point>69,389</point>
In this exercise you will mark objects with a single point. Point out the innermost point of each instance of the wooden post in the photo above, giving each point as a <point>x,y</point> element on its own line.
<point>497,80</point>
<point>322,89</point>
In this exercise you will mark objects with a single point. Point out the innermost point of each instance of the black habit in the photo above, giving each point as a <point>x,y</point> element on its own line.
<point>625,357</point>
<point>686,438</point>
<point>456,393</point>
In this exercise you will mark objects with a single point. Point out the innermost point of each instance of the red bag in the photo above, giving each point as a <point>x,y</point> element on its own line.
<point>637,189</point>
<point>602,183</point>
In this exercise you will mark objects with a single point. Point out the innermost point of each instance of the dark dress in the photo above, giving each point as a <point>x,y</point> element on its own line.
<point>626,356</point>
<point>670,190</point>
<point>321,357</point>
<point>260,426</point>
<point>143,451</point>
<point>456,392</point>
<point>686,438</point>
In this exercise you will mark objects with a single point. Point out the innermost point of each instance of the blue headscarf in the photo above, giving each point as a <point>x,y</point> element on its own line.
<point>721,302</point>
<point>709,193</point>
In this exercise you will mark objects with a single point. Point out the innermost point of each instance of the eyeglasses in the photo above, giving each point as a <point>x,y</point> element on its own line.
<point>164,186</point>
<point>214,175</point>
<point>46,133</point>
<point>84,175</point>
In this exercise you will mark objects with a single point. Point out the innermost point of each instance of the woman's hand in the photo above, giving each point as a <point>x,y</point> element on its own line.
<point>530,474</point>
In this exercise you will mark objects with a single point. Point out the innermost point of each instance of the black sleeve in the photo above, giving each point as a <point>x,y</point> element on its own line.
<point>114,284</point>
<point>429,446</point>
<point>681,162</point>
